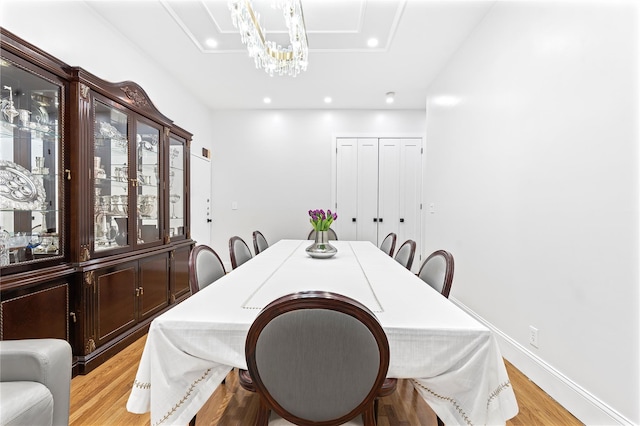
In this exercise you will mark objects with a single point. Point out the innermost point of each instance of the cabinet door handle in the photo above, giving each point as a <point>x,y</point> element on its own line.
<point>380,220</point>
<point>353,219</point>
<point>141,291</point>
<point>73,316</point>
<point>68,172</point>
<point>401,219</point>
<point>375,219</point>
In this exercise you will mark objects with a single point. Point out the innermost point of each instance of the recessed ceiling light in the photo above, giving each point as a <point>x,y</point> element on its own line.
<point>211,42</point>
<point>327,99</point>
<point>267,100</point>
<point>389,97</point>
<point>372,42</point>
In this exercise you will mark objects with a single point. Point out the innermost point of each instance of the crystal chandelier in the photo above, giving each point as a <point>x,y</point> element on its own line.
<point>266,54</point>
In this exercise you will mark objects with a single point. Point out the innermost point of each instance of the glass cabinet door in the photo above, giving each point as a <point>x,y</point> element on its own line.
<point>148,182</point>
<point>31,175</point>
<point>177,177</point>
<point>111,177</point>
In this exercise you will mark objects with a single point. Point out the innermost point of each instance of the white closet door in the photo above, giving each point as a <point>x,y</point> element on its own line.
<point>367,197</point>
<point>410,199</point>
<point>347,188</point>
<point>389,187</point>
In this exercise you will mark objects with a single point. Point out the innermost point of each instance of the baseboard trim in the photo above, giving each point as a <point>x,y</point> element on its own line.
<point>574,398</point>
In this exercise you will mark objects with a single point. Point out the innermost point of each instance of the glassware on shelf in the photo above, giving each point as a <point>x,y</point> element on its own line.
<point>174,198</point>
<point>146,205</point>
<point>8,108</point>
<point>4,248</point>
<point>174,153</point>
<point>23,115</point>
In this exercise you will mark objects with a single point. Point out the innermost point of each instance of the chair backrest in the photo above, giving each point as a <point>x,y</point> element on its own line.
<point>205,267</point>
<point>317,357</point>
<point>388,245</point>
<point>405,253</point>
<point>238,251</point>
<point>260,243</point>
<point>437,271</point>
<point>332,235</point>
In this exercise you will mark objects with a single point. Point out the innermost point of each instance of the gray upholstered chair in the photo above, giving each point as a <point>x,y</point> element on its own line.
<point>35,382</point>
<point>238,251</point>
<point>260,243</point>
<point>406,253</point>
<point>205,267</point>
<point>332,235</point>
<point>316,358</point>
<point>437,271</point>
<point>388,245</point>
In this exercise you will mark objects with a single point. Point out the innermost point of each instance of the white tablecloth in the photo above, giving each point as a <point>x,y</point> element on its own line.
<point>454,360</point>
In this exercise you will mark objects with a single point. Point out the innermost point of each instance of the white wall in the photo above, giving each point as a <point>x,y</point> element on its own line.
<point>277,166</point>
<point>72,32</point>
<point>532,163</point>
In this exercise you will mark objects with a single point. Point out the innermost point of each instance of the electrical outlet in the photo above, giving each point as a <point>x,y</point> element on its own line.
<point>533,336</point>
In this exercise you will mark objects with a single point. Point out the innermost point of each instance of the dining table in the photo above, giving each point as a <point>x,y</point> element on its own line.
<point>452,360</point>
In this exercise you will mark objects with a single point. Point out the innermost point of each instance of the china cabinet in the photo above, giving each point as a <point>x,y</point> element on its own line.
<point>94,196</point>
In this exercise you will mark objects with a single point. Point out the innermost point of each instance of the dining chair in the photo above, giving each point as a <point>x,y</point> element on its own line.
<point>205,267</point>
<point>238,251</point>
<point>388,245</point>
<point>332,235</point>
<point>316,358</point>
<point>260,243</point>
<point>437,271</point>
<point>405,253</point>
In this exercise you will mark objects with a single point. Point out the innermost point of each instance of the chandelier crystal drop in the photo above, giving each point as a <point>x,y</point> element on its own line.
<point>273,58</point>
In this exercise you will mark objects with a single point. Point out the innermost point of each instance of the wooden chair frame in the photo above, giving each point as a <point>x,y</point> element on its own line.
<point>232,252</point>
<point>394,238</point>
<point>193,272</point>
<point>412,252</point>
<point>448,276</point>
<point>316,300</point>
<point>256,247</point>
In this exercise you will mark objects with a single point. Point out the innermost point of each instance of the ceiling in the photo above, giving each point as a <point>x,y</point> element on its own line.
<point>415,40</point>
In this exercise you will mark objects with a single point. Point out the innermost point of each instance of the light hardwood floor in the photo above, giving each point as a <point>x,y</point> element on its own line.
<point>99,398</point>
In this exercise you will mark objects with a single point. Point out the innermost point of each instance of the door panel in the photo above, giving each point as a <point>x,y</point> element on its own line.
<point>410,199</point>
<point>180,273</point>
<point>201,199</point>
<point>116,303</point>
<point>38,315</point>
<point>154,283</point>
<point>379,178</point>
<point>347,189</point>
<point>389,187</point>
<point>367,229</point>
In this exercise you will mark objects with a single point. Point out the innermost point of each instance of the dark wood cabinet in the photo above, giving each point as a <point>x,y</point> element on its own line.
<point>180,273</point>
<point>113,293</point>
<point>153,294</point>
<point>97,243</point>
<point>38,312</point>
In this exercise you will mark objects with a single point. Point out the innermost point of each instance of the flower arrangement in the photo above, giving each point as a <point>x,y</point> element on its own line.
<point>320,220</point>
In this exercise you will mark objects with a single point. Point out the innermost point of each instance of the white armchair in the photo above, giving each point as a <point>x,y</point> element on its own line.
<point>35,382</point>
